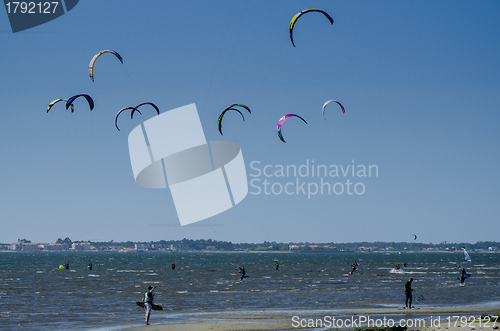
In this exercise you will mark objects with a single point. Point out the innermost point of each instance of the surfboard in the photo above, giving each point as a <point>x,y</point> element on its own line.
<point>466,276</point>
<point>154,307</point>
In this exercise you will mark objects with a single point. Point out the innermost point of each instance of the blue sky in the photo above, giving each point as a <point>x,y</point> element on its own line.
<point>419,81</point>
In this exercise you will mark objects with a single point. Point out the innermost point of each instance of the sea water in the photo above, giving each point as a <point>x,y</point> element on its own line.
<point>35,294</point>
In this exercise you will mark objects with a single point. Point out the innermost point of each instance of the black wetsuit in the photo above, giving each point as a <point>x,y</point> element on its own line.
<point>90,266</point>
<point>173,266</point>
<point>462,278</point>
<point>408,294</point>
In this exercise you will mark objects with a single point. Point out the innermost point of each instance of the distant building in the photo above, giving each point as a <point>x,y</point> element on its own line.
<point>176,248</point>
<point>142,247</point>
<point>55,247</point>
<point>81,246</point>
<point>493,248</point>
<point>210,248</point>
<point>25,247</point>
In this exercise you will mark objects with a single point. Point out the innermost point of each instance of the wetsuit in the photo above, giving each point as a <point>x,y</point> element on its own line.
<point>90,266</point>
<point>462,278</point>
<point>242,270</point>
<point>277,265</point>
<point>408,294</point>
<point>173,266</point>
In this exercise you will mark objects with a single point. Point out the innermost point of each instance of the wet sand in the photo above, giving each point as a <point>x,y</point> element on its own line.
<point>260,321</point>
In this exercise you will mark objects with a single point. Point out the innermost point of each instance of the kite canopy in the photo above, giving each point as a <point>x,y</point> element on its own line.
<point>56,101</point>
<point>326,103</point>
<point>219,120</point>
<point>122,110</point>
<point>299,14</point>
<point>239,105</point>
<point>282,120</point>
<point>89,100</point>
<point>414,236</point>
<point>92,62</point>
<point>142,104</point>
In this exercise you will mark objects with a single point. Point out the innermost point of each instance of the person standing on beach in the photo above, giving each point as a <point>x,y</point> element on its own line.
<point>148,302</point>
<point>408,291</point>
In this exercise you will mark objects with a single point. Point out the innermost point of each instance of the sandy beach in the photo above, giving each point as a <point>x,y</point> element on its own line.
<point>423,319</point>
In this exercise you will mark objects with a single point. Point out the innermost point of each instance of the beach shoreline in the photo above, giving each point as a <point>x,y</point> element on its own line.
<point>430,318</point>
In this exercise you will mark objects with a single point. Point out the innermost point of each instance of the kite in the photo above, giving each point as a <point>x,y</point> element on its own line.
<point>145,103</point>
<point>299,14</point>
<point>56,101</point>
<point>121,110</point>
<point>91,64</point>
<point>89,99</point>
<point>239,105</point>
<point>414,236</point>
<point>219,121</point>
<point>326,103</point>
<point>282,120</point>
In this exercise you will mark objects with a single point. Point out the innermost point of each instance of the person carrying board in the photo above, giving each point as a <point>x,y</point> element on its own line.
<point>148,302</point>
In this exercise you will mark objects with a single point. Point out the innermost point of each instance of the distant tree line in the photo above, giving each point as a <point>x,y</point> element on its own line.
<point>202,244</point>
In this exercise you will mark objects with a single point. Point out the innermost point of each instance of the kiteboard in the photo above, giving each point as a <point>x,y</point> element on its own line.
<point>466,276</point>
<point>154,306</point>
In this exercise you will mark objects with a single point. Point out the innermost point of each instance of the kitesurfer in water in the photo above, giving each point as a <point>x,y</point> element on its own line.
<point>242,272</point>
<point>173,266</point>
<point>398,266</point>
<point>277,265</point>
<point>463,276</point>
<point>354,267</point>
<point>404,264</point>
<point>148,302</point>
<point>66,265</point>
<point>408,291</point>
<point>90,266</point>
